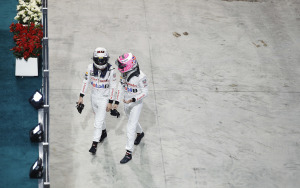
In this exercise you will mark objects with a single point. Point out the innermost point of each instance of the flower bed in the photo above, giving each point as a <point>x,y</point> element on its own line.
<point>28,40</point>
<point>29,11</point>
<point>28,33</point>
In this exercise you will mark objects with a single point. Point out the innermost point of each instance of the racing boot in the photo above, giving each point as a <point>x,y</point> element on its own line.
<point>127,157</point>
<point>93,148</point>
<point>103,135</point>
<point>138,138</point>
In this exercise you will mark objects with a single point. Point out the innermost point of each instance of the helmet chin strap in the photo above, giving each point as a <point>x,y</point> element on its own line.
<point>101,67</point>
<point>134,72</point>
<point>103,71</point>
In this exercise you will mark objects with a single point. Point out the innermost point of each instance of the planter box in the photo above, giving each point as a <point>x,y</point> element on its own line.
<point>27,68</point>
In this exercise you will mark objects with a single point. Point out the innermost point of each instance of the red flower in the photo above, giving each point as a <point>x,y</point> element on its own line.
<point>28,40</point>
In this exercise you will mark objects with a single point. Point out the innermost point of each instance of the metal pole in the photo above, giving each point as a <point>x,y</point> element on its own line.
<point>46,181</point>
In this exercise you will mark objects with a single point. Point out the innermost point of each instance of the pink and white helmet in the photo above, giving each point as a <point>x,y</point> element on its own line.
<point>126,62</point>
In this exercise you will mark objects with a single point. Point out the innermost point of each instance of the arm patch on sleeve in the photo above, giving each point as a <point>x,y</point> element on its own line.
<point>145,82</point>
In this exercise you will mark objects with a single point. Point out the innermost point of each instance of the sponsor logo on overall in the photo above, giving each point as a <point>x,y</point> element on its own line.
<point>131,85</point>
<point>97,80</point>
<point>129,89</point>
<point>141,97</point>
<point>98,85</point>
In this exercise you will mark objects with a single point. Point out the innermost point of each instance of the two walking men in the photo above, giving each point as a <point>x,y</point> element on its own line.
<point>132,89</point>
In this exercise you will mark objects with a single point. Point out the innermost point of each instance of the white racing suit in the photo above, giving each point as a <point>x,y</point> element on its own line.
<point>137,88</point>
<point>103,90</point>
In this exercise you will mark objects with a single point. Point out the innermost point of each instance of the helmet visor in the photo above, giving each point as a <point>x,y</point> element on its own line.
<point>100,60</point>
<point>120,65</point>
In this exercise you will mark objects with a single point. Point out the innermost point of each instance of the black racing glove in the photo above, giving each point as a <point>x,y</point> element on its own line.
<point>79,107</point>
<point>115,112</point>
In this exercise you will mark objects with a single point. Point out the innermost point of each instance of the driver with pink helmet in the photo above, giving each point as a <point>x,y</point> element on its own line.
<point>133,88</point>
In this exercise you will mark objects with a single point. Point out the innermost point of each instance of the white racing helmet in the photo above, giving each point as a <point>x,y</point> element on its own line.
<point>100,58</point>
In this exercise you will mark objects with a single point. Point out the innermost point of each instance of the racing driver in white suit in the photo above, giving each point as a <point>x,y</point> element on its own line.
<point>133,88</point>
<point>102,78</point>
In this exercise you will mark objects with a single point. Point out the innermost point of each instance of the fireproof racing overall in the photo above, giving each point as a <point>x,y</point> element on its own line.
<point>103,88</point>
<point>137,88</point>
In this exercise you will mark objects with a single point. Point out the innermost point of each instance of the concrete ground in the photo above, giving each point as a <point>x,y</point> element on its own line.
<point>223,106</point>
